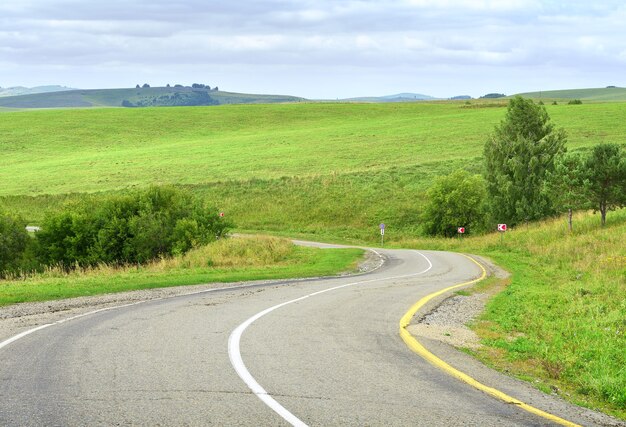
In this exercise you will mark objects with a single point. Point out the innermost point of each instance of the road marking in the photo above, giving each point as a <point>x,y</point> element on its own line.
<point>58,322</point>
<point>234,348</point>
<point>47,325</point>
<point>418,348</point>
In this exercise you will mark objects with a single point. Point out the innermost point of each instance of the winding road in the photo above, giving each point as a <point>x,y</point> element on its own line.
<point>307,352</point>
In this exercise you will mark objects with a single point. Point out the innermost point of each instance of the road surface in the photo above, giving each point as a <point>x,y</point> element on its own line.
<point>333,357</point>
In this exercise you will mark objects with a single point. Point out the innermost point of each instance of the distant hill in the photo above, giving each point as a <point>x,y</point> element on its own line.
<point>399,97</point>
<point>600,94</point>
<point>21,90</point>
<point>138,97</point>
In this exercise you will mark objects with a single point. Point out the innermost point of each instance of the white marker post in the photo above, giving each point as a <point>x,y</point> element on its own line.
<point>382,234</point>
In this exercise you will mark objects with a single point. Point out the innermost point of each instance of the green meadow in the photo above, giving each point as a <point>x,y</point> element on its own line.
<point>333,172</point>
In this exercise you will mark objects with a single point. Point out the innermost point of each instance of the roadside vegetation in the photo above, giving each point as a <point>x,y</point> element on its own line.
<point>226,260</point>
<point>560,320</point>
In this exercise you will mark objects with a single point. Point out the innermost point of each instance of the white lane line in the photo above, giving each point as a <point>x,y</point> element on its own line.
<point>47,325</point>
<point>234,350</point>
<point>58,322</point>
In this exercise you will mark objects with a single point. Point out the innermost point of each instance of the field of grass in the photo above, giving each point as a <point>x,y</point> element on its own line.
<point>331,169</point>
<point>229,260</point>
<point>561,322</point>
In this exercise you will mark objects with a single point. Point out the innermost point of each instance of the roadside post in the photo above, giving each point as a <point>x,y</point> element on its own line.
<point>382,234</point>
<point>501,230</point>
<point>460,231</point>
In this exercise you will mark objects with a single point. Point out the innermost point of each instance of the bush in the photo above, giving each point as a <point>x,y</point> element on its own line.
<point>14,241</point>
<point>135,228</point>
<point>455,200</point>
<point>575,102</point>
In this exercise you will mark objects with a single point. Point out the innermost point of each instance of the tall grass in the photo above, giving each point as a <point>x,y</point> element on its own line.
<point>227,260</point>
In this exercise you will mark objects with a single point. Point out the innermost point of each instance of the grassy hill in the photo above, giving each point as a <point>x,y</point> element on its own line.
<point>156,96</point>
<point>399,97</point>
<point>331,169</point>
<point>334,172</point>
<point>599,94</point>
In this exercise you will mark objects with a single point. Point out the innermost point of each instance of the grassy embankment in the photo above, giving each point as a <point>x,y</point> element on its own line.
<point>333,172</point>
<point>560,320</point>
<point>229,260</point>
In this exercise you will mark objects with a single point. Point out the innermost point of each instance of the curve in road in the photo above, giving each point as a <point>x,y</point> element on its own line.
<point>335,359</point>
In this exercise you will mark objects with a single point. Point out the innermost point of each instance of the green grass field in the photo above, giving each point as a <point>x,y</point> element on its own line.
<point>322,169</point>
<point>333,172</point>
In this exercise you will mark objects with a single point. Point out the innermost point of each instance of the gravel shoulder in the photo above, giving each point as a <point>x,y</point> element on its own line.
<point>447,321</point>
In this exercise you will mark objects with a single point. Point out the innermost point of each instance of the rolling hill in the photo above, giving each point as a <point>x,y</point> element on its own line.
<point>598,94</point>
<point>399,97</point>
<point>21,90</point>
<point>152,96</point>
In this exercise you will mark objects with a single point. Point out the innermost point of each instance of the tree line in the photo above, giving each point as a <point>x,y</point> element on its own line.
<point>528,175</point>
<point>116,230</point>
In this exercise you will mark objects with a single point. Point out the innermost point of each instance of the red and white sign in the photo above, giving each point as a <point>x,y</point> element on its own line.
<point>221,214</point>
<point>501,227</point>
<point>460,230</point>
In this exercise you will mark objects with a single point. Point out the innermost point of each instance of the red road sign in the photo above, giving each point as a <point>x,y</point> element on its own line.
<point>460,230</point>
<point>501,227</point>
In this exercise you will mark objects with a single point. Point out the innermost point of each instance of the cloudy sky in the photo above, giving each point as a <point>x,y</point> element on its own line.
<point>316,48</point>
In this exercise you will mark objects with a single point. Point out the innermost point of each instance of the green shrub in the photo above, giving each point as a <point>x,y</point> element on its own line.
<point>14,241</point>
<point>455,200</point>
<point>134,228</point>
<point>575,102</point>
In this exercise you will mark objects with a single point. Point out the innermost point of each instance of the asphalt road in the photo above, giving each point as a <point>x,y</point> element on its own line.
<point>333,358</point>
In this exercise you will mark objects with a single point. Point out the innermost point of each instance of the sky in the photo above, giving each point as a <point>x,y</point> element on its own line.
<point>318,49</point>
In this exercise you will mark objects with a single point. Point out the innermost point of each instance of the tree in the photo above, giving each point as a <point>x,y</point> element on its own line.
<point>605,170</point>
<point>455,200</point>
<point>566,184</point>
<point>145,86</point>
<point>518,156</point>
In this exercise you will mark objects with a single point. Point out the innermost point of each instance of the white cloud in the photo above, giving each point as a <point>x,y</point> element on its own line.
<point>376,37</point>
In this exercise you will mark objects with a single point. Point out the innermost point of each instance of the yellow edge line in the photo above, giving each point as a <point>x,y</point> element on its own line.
<point>418,348</point>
